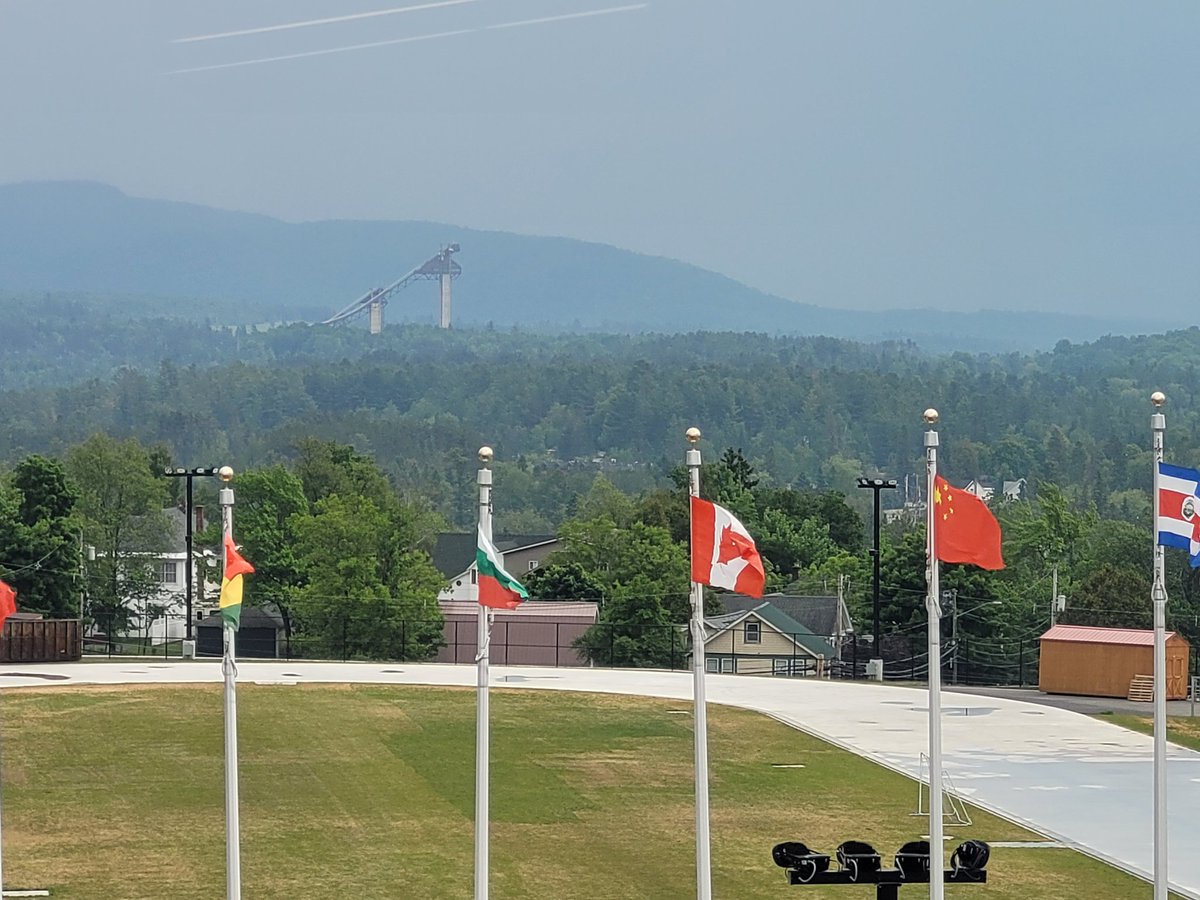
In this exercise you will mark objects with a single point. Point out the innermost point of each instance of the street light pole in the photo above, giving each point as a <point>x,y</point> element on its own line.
<point>876,485</point>
<point>188,475</point>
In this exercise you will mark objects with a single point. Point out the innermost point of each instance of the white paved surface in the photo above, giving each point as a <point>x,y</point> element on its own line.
<point>1078,780</point>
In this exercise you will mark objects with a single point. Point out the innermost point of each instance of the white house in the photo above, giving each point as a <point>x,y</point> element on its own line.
<point>164,618</point>
<point>980,489</point>
<point>763,640</point>
<point>454,557</point>
<point>1013,490</point>
<point>1009,490</point>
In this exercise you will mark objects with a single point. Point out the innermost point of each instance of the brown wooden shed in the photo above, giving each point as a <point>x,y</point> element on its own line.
<point>1102,662</point>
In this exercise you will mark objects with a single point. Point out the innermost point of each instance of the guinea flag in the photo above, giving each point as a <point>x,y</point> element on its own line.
<point>231,584</point>
<point>965,531</point>
<point>497,588</point>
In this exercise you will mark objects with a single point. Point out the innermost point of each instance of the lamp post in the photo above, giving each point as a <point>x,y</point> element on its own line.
<point>188,475</point>
<point>876,485</point>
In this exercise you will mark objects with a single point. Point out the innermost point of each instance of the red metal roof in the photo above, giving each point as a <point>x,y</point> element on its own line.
<point>1088,635</point>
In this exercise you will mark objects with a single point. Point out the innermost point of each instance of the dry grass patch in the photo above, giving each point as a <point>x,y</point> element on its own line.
<point>1182,730</point>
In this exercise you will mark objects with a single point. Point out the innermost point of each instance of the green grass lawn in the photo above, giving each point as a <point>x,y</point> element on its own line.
<point>1182,730</point>
<point>367,792</point>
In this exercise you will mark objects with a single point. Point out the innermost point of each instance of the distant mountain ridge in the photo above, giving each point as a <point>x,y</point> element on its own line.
<point>83,237</point>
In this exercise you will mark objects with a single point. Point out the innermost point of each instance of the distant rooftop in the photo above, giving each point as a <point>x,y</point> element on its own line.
<point>453,553</point>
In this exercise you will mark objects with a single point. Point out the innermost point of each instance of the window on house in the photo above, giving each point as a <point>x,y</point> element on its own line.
<point>168,571</point>
<point>782,666</point>
<point>753,633</point>
<point>727,664</point>
<point>533,564</point>
<point>712,664</point>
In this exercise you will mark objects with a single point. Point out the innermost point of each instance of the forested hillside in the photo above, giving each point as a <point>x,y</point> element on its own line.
<point>180,260</point>
<point>340,437</point>
<point>809,412</point>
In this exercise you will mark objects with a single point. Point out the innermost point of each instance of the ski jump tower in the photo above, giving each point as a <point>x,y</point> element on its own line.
<point>440,267</point>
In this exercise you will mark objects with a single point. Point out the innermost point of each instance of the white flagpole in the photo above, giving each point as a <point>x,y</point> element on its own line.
<point>233,860</point>
<point>700,713</point>
<point>482,711</point>
<point>1158,425</point>
<point>933,605</point>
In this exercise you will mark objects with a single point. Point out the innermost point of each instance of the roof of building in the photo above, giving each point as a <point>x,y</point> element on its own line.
<point>817,614</point>
<point>587,610</point>
<point>165,534</point>
<point>777,619</point>
<point>252,617</point>
<point>1087,634</point>
<point>714,625</point>
<point>454,553</point>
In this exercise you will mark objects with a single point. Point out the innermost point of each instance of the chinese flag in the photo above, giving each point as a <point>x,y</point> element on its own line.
<point>8,603</point>
<point>965,531</point>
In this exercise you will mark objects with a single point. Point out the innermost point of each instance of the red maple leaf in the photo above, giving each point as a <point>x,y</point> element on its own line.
<point>733,546</point>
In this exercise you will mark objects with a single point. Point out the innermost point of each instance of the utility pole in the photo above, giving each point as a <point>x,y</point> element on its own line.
<point>952,595</point>
<point>876,485</point>
<point>188,475</point>
<point>1054,598</point>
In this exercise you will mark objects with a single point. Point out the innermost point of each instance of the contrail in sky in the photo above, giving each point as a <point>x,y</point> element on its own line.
<point>329,21</point>
<point>408,40</point>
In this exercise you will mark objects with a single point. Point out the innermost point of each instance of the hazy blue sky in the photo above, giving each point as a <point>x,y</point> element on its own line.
<point>878,154</point>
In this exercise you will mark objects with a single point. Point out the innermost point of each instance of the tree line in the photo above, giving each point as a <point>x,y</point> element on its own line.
<point>337,551</point>
<point>811,413</point>
<point>342,552</point>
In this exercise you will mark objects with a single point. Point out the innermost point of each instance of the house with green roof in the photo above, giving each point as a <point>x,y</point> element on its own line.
<point>763,640</point>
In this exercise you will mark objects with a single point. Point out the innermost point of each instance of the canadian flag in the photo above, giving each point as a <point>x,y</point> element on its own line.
<point>723,553</point>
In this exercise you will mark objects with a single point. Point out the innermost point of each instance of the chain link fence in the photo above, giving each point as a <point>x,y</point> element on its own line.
<point>558,643</point>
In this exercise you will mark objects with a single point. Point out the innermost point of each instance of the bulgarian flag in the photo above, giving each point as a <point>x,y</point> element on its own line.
<point>497,588</point>
<point>231,584</point>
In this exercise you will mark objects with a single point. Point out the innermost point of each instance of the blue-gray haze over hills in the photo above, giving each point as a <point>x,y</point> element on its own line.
<point>931,154</point>
<point>187,260</point>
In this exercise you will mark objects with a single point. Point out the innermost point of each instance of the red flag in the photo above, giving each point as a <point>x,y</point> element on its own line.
<point>723,553</point>
<point>965,531</point>
<point>8,603</point>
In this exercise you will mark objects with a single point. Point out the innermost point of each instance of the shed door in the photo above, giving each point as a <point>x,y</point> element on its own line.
<point>1176,677</point>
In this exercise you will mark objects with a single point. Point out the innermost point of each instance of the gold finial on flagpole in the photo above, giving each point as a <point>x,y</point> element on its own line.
<point>1158,398</point>
<point>692,435</point>
<point>225,473</point>
<point>486,454</point>
<point>930,416</point>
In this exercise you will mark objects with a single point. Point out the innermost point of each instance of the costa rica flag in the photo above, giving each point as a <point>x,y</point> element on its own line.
<point>1179,509</point>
